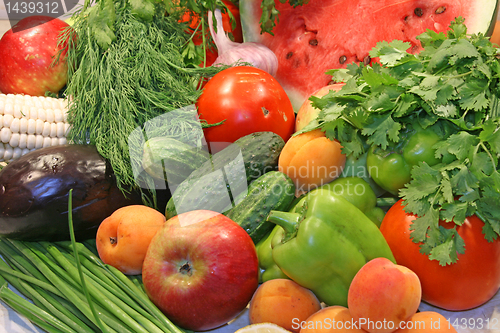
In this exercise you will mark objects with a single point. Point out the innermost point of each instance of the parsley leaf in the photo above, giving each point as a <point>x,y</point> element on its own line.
<point>451,86</point>
<point>382,129</point>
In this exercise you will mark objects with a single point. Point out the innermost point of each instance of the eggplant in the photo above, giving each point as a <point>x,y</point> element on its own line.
<point>34,194</point>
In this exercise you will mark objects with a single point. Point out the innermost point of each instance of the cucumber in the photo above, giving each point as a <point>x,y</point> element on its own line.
<point>272,191</point>
<point>166,158</point>
<point>219,182</point>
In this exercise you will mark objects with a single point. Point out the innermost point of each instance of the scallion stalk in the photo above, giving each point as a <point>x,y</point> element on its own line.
<point>57,309</point>
<point>31,311</point>
<point>130,284</point>
<point>68,289</point>
<point>47,286</point>
<point>58,277</point>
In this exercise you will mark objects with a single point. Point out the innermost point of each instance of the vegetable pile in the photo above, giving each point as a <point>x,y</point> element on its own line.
<point>450,89</point>
<point>200,192</point>
<point>72,290</point>
<point>130,70</point>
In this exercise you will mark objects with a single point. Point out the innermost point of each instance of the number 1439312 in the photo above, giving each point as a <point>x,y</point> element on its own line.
<point>474,323</point>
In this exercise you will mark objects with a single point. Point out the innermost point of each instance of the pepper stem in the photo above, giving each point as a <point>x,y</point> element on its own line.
<point>288,221</point>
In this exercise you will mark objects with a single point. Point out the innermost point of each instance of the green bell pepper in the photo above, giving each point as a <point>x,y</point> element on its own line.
<point>391,168</point>
<point>268,268</point>
<point>324,243</point>
<point>356,167</point>
<point>358,192</point>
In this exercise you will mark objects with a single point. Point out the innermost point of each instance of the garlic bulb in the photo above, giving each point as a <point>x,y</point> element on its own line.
<point>230,52</point>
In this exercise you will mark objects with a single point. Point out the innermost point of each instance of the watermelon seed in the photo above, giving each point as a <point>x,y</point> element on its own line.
<point>313,42</point>
<point>342,59</point>
<point>440,10</point>
<point>419,11</point>
<point>289,55</point>
<point>366,60</point>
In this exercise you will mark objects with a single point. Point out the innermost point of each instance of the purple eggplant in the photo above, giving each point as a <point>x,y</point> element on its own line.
<point>34,193</point>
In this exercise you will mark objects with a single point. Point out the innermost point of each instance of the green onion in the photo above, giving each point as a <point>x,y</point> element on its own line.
<point>67,288</point>
<point>23,306</point>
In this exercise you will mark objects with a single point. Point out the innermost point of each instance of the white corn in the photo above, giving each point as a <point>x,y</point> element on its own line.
<point>30,122</point>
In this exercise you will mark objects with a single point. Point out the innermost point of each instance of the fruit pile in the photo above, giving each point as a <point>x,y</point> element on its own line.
<point>153,183</point>
<point>383,297</point>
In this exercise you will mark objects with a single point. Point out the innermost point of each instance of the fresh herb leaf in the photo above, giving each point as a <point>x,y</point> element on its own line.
<point>451,85</point>
<point>270,15</point>
<point>381,130</point>
<point>390,54</point>
<point>120,84</point>
<point>448,248</point>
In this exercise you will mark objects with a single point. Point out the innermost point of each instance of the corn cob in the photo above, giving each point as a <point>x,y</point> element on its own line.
<point>30,122</point>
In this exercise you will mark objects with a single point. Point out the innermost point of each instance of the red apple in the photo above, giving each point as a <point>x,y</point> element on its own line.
<point>200,269</point>
<point>27,52</point>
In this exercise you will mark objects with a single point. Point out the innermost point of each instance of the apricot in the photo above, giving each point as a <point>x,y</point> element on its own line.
<point>123,238</point>
<point>282,302</point>
<point>332,318</point>
<point>382,295</point>
<point>425,322</point>
<point>307,111</point>
<point>311,159</point>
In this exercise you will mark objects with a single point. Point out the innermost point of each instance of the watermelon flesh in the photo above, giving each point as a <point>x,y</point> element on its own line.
<point>325,34</point>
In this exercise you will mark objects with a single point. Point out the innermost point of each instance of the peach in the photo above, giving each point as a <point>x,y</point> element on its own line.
<point>332,318</point>
<point>311,159</point>
<point>425,322</point>
<point>382,295</point>
<point>307,111</point>
<point>282,302</point>
<point>123,238</point>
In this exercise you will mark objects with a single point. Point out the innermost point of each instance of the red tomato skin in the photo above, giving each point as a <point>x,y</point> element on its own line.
<point>470,282</point>
<point>249,100</point>
<point>26,56</point>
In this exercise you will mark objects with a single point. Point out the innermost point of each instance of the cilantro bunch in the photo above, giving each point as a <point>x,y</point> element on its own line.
<point>453,83</point>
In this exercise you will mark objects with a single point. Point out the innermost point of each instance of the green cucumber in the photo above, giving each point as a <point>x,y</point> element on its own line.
<point>218,182</point>
<point>272,191</point>
<point>169,159</point>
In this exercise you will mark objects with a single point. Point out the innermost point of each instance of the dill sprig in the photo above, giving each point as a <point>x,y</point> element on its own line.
<point>127,69</point>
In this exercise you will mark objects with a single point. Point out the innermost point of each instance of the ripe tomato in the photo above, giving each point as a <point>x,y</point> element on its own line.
<point>470,282</point>
<point>248,100</point>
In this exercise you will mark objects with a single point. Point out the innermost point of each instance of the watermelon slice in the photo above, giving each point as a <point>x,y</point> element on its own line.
<point>325,34</point>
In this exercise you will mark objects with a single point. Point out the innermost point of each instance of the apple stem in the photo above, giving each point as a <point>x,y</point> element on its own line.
<point>288,221</point>
<point>186,269</point>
